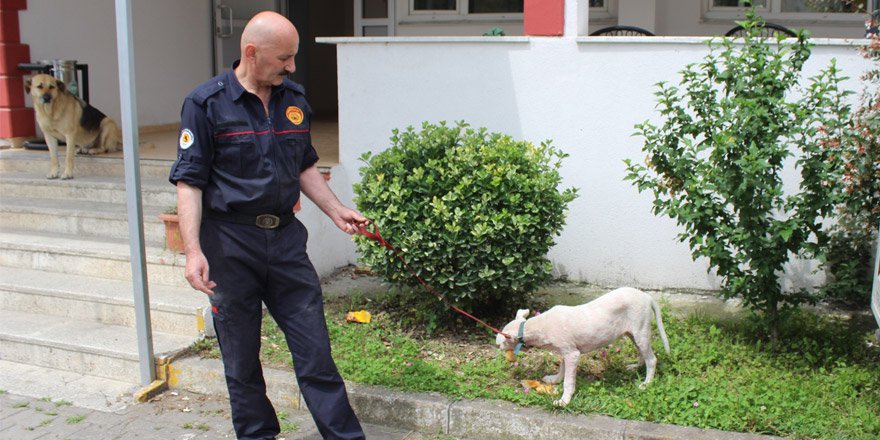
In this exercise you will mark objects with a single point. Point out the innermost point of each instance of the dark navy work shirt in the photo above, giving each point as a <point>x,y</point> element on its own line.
<point>242,159</point>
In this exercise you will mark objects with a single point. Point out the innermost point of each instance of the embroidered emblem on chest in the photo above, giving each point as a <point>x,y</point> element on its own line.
<point>294,114</point>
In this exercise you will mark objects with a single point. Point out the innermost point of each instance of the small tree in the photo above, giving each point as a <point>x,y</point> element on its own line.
<point>715,164</point>
<point>473,213</point>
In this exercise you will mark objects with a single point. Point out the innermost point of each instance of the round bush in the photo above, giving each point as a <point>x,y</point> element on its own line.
<point>473,213</point>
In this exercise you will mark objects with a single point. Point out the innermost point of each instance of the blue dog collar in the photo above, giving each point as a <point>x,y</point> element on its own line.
<point>519,338</point>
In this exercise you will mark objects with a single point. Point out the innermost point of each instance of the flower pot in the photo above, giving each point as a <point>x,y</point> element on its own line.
<point>173,241</point>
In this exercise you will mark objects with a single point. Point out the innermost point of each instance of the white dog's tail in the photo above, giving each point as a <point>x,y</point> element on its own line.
<point>656,308</point>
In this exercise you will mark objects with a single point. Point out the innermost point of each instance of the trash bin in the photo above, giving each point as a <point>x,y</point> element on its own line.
<point>65,70</point>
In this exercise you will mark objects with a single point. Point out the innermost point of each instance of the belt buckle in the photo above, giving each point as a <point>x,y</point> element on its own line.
<point>268,221</point>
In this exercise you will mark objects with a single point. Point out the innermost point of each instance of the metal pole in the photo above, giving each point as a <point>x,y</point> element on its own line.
<point>128,102</point>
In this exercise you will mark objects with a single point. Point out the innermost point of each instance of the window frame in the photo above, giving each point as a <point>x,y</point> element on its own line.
<point>773,12</point>
<point>410,15</point>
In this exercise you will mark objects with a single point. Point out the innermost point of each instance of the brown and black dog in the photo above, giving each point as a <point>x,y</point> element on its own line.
<point>62,115</point>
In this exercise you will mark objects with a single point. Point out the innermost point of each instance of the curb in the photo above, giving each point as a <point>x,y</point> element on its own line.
<point>432,412</point>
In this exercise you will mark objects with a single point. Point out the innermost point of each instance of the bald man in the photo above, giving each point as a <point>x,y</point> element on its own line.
<point>244,155</point>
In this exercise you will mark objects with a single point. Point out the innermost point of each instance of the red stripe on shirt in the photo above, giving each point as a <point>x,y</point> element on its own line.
<point>259,133</point>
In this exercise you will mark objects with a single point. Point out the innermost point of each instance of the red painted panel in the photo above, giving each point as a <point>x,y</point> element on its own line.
<point>11,92</point>
<point>11,55</point>
<point>9,29</point>
<point>14,5</point>
<point>17,122</point>
<point>544,17</point>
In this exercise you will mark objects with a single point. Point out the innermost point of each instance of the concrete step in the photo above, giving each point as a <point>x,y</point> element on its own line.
<point>173,310</point>
<point>36,163</point>
<point>79,346</point>
<point>98,257</point>
<point>105,189</point>
<point>77,389</point>
<point>74,217</point>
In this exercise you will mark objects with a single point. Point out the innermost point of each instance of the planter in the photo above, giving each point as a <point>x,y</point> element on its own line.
<point>173,241</point>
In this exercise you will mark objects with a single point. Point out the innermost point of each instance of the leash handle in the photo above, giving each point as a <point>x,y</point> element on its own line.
<point>376,236</point>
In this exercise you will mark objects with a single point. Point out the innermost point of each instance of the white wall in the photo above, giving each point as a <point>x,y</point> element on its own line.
<point>172,48</point>
<point>586,96</point>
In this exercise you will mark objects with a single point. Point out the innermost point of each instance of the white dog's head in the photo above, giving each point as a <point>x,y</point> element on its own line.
<point>511,329</point>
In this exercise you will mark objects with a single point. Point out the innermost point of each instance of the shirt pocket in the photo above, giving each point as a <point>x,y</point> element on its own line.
<point>295,145</point>
<point>233,146</point>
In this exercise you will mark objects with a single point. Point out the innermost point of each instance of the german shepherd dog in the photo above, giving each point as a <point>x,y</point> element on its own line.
<point>62,115</point>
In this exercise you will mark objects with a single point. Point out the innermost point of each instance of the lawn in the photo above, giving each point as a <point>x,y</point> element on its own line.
<point>822,381</point>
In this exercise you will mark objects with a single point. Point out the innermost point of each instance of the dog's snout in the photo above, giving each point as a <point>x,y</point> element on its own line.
<point>47,98</point>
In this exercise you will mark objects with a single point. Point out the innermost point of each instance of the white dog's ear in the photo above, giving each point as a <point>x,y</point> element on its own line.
<point>522,314</point>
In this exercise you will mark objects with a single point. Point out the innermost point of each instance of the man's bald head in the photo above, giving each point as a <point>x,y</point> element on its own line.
<point>269,43</point>
<point>268,29</point>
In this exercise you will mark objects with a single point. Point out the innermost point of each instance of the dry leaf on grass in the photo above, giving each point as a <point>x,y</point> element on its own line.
<point>539,387</point>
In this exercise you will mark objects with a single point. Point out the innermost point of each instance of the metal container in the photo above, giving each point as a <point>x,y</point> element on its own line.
<point>65,70</point>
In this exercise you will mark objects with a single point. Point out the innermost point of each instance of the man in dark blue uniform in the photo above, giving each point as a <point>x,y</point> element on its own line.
<point>244,155</point>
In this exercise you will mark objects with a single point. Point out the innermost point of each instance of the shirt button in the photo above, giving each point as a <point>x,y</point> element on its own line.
<point>220,83</point>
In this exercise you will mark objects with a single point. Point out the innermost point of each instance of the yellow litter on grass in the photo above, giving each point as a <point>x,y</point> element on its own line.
<point>362,316</point>
<point>509,356</point>
<point>539,387</point>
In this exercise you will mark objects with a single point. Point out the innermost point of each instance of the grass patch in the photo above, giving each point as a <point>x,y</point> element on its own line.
<point>821,381</point>
<point>287,426</point>
<point>72,420</point>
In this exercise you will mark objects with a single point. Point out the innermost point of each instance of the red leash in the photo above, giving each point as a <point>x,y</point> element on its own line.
<point>377,237</point>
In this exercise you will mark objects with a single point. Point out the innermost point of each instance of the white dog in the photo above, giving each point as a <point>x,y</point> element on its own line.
<point>571,331</point>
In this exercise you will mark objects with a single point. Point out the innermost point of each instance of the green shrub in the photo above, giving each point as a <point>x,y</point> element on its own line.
<point>715,164</point>
<point>473,213</point>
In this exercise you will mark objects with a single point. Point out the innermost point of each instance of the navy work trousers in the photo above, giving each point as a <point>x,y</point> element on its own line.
<point>252,266</point>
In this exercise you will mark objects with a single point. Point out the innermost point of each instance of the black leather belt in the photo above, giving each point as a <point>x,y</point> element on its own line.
<point>265,221</point>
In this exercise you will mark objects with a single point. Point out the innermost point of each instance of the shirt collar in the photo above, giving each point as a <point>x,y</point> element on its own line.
<point>238,89</point>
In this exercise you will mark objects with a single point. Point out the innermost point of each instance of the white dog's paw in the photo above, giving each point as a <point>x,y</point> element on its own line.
<point>52,175</point>
<point>561,402</point>
<point>67,176</point>
<point>643,385</point>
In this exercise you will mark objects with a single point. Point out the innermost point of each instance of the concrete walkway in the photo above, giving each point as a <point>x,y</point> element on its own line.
<point>175,415</point>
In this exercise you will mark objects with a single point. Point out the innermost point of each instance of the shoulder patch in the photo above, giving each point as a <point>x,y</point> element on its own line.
<point>186,138</point>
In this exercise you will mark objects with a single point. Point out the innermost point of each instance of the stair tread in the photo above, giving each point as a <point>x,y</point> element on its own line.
<point>162,297</point>
<point>54,206</point>
<point>108,340</point>
<point>103,247</point>
<point>100,394</point>
<point>151,182</point>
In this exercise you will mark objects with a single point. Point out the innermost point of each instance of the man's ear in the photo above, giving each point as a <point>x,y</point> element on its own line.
<point>250,51</point>
<point>522,314</point>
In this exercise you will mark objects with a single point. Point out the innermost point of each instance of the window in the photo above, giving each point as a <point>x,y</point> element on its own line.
<point>738,3</point>
<point>472,6</point>
<point>794,6</point>
<point>824,6</point>
<point>837,10</point>
<point>480,10</point>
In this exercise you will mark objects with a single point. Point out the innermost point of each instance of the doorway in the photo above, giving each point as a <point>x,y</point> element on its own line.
<point>316,63</point>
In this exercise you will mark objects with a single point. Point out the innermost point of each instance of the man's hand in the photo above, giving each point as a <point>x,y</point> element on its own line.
<point>197,273</point>
<point>314,186</point>
<point>349,220</point>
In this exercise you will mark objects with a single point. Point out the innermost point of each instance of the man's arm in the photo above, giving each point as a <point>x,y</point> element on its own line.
<point>314,186</point>
<point>189,211</point>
